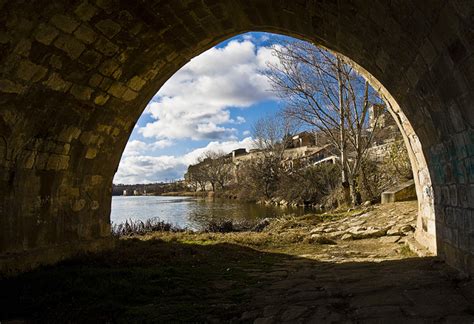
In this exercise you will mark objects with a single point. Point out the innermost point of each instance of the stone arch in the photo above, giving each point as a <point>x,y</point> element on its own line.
<point>76,75</point>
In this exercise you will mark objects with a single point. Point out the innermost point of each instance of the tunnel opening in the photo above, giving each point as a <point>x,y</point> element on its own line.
<point>75,79</point>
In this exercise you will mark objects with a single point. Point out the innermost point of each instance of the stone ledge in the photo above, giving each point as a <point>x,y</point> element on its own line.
<point>13,264</point>
<point>417,248</point>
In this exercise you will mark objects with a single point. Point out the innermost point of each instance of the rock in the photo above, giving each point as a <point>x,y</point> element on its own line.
<point>406,229</point>
<point>320,239</point>
<point>346,237</point>
<point>283,202</point>
<point>261,225</point>
<point>389,239</point>
<point>367,203</point>
<point>369,233</point>
<point>336,234</point>
<point>393,231</point>
<point>318,229</point>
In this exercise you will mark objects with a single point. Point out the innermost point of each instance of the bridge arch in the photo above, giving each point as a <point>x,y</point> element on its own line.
<point>76,75</point>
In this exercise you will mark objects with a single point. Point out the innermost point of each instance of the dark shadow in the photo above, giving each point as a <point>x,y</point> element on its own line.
<point>158,281</point>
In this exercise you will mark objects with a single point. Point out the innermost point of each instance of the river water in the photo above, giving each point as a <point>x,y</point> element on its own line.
<point>191,212</point>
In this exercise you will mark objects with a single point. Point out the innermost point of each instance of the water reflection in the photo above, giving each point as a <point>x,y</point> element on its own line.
<point>190,212</point>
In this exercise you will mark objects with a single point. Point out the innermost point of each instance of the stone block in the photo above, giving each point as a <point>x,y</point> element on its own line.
<point>129,95</point>
<point>68,134</point>
<point>136,83</point>
<point>108,67</point>
<point>23,47</point>
<point>85,11</point>
<point>106,47</point>
<point>108,27</point>
<point>90,58</point>
<point>404,191</point>
<point>85,34</point>
<point>81,92</point>
<point>101,99</point>
<point>71,45</point>
<point>56,83</point>
<point>105,84</point>
<point>91,153</point>
<point>45,34</point>
<point>29,71</point>
<point>65,23</point>
<point>117,89</point>
<point>95,80</point>
<point>7,86</point>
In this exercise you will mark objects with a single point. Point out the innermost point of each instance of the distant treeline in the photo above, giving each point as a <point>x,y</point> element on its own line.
<point>148,189</point>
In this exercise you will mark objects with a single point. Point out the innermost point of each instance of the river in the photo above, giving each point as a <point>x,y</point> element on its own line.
<point>191,212</point>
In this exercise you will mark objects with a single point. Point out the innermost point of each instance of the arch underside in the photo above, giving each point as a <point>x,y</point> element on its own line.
<point>76,75</point>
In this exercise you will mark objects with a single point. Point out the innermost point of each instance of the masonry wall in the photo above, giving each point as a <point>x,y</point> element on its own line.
<point>76,75</point>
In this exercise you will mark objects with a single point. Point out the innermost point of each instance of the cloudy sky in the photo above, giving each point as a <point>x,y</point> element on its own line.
<point>209,104</point>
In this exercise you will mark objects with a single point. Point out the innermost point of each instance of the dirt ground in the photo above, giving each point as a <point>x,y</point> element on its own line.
<point>347,267</point>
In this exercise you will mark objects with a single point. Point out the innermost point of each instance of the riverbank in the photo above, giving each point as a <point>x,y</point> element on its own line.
<point>295,269</point>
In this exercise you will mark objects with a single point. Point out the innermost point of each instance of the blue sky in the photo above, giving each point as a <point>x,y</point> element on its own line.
<point>209,104</point>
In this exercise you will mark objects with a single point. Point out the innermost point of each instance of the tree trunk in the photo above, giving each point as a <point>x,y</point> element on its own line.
<point>355,192</point>
<point>342,137</point>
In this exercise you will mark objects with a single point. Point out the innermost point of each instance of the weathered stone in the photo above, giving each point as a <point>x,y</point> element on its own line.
<point>45,34</point>
<point>108,67</point>
<point>117,90</point>
<point>101,99</point>
<point>65,23</point>
<point>136,83</point>
<point>106,47</point>
<point>70,45</point>
<point>81,92</point>
<point>85,11</point>
<point>129,95</point>
<point>91,153</point>
<point>85,34</point>
<point>29,71</point>
<point>8,86</point>
<point>389,239</point>
<point>321,239</point>
<point>90,58</point>
<point>56,83</point>
<point>108,27</point>
<point>346,237</point>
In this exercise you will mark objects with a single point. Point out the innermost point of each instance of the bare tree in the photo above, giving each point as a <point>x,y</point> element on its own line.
<point>197,176</point>
<point>218,168</point>
<point>323,90</point>
<point>272,135</point>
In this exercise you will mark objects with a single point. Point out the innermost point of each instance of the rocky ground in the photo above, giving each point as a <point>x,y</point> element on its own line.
<point>347,267</point>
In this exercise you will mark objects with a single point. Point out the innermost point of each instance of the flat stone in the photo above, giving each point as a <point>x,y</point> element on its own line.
<point>29,71</point>
<point>85,34</point>
<point>65,23</point>
<point>108,27</point>
<point>81,92</point>
<point>45,34</point>
<point>7,86</point>
<point>56,83</point>
<point>106,47</point>
<point>347,237</point>
<point>85,11</point>
<point>71,45</point>
<point>389,239</point>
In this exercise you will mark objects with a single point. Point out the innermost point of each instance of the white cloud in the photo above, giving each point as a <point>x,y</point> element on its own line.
<point>194,102</point>
<point>146,169</point>
<point>246,133</point>
<point>136,147</point>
